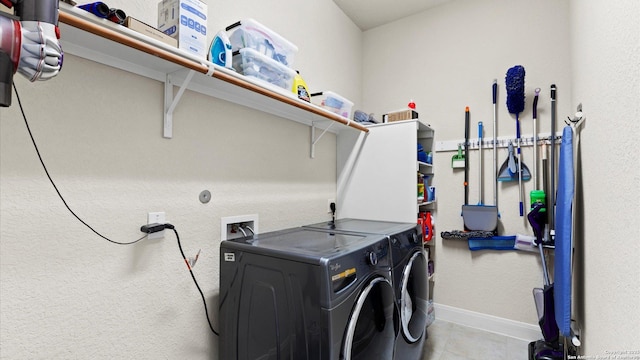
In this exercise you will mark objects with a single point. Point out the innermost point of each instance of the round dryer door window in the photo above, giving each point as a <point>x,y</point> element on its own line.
<point>415,297</point>
<point>370,333</point>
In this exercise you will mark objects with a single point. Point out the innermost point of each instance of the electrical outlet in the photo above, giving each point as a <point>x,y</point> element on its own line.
<point>156,218</point>
<point>329,201</point>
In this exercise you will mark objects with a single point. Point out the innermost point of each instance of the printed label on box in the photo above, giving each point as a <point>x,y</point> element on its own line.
<point>185,20</point>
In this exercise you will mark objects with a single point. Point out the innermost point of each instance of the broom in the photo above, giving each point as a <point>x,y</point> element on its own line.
<point>515,104</point>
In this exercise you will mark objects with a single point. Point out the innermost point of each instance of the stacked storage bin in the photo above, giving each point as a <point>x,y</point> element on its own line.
<point>333,102</point>
<point>262,54</point>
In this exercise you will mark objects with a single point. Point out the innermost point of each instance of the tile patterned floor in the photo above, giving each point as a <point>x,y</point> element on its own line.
<point>449,341</point>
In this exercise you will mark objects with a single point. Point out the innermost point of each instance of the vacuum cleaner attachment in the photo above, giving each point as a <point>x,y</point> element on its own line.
<point>117,16</point>
<point>102,10</point>
<point>98,9</point>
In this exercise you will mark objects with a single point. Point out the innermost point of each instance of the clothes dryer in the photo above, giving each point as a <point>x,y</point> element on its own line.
<point>410,277</point>
<point>303,294</point>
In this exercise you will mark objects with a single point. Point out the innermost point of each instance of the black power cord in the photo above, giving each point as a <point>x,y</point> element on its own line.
<point>147,229</point>
<point>53,183</point>
<point>151,228</point>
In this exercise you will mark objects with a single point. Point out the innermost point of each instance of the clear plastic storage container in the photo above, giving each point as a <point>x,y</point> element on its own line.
<point>249,62</point>
<point>251,34</point>
<point>333,102</point>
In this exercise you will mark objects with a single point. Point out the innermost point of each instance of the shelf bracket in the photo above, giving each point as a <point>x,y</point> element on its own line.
<point>313,137</point>
<point>170,101</point>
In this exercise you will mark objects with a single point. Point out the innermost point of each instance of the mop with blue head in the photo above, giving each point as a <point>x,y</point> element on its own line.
<point>515,104</point>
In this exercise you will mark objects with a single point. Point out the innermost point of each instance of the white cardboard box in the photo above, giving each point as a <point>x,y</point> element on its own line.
<point>139,26</point>
<point>186,21</point>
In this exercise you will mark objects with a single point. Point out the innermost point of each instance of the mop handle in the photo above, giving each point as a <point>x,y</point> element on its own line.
<point>545,185</point>
<point>552,169</point>
<point>535,138</point>
<point>466,156</point>
<point>480,169</point>
<point>520,188</point>
<point>518,132</point>
<point>494,89</point>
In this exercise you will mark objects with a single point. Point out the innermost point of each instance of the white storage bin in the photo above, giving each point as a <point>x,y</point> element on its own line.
<point>249,62</point>
<point>333,102</point>
<point>251,34</point>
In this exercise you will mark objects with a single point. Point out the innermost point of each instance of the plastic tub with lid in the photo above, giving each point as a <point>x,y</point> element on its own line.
<point>251,34</point>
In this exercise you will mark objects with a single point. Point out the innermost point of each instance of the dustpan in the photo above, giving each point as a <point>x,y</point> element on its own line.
<point>457,161</point>
<point>509,169</point>
<point>480,217</point>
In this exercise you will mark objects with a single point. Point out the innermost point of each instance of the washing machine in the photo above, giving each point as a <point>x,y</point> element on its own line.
<point>302,294</point>
<point>410,277</point>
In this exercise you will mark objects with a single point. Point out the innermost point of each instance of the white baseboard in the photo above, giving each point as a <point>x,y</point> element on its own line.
<point>489,323</point>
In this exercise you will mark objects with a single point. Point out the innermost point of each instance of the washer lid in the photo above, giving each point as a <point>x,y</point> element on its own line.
<point>363,226</point>
<point>299,242</point>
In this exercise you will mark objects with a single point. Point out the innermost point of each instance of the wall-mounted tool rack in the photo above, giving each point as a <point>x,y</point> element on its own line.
<point>501,142</point>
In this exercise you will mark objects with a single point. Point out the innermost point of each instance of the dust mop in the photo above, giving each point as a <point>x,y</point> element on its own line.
<point>515,104</point>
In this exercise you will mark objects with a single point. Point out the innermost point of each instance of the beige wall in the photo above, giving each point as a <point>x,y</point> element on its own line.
<point>605,44</point>
<point>329,45</point>
<point>66,293</point>
<point>446,59</point>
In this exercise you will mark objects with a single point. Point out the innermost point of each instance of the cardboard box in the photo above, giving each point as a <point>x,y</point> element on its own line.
<point>186,21</point>
<point>400,115</point>
<point>150,31</point>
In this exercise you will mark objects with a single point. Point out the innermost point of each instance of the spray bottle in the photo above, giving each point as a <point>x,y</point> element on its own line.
<point>300,88</point>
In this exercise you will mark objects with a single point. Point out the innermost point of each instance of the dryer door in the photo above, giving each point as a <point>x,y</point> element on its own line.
<point>370,332</point>
<point>415,297</point>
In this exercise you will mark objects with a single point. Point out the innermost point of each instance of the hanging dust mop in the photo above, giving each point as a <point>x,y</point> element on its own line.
<point>515,104</point>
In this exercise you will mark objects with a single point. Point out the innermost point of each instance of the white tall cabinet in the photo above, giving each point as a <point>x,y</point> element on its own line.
<point>378,176</point>
<point>377,171</point>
